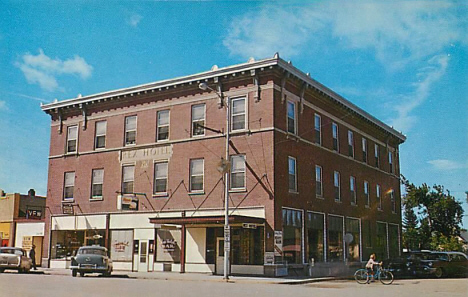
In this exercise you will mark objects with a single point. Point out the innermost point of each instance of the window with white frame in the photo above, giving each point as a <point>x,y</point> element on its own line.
<point>68,186</point>
<point>364,150</point>
<point>350,143</point>
<point>128,177</point>
<point>318,181</point>
<point>377,155</point>
<point>196,175</point>
<point>237,172</point>
<point>352,189</point>
<point>318,129</point>
<point>379,197</point>
<point>130,130</point>
<point>97,183</point>
<point>238,114</point>
<point>198,120</point>
<point>390,161</point>
<point>162,129</point>
<point>366,194</point>
<point>337,186</point>
<point>291,117</point>
<point>72,139</point>
<point>100,137</point>
<point>336,143</point>
<point>292,172</point>
<point>160,178</point>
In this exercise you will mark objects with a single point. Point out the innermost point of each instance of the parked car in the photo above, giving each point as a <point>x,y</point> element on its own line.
<point>444,264</point>
<point>91,259</point>
<point>14,258</point>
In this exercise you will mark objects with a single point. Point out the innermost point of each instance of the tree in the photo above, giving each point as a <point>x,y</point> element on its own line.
<point>439,217</point>
<point>410,230</point>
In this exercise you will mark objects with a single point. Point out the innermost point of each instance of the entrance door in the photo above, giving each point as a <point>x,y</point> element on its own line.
<point>220,255</point>
<point>143,256</point>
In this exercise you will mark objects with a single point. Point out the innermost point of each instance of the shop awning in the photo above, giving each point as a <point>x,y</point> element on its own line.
<point>206,220</point>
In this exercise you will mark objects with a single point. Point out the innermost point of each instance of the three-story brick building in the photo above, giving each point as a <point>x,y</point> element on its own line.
<point>312,176</point>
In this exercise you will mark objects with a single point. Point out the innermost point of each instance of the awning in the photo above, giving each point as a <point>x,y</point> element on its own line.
<point>206,220</point>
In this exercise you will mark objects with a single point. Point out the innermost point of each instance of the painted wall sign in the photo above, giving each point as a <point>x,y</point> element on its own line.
<point>146,154</point>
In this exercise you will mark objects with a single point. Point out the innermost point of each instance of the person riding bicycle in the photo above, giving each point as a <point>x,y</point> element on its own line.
<point>370,267</point>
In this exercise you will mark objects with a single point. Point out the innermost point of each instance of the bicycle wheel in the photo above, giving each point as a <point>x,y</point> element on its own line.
<point>361,276</point>
<point>386,277</point>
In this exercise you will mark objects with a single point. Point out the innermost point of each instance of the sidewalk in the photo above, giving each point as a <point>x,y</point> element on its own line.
<point>175,276</point>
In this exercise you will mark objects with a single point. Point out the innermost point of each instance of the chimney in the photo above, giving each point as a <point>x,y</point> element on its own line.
<point>31,193</point>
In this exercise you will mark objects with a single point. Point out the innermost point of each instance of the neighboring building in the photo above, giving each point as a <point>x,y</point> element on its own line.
<point>22,221</point>
<point>312,175</point>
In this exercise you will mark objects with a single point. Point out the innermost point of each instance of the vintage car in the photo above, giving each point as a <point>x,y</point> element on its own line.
<point>14,258</point>
<point>442,264</point>
<point>91,259</point>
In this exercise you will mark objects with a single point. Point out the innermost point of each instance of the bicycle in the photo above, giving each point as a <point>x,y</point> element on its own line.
<point>385,276</point>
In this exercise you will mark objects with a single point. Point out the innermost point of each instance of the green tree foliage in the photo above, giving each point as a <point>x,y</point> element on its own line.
<point>437,222</point>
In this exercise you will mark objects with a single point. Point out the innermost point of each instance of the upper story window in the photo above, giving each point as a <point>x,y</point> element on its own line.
<point>198,120</point>
<point>128,177</point>
<point>352,190</point>
<point>366,194</point>
<point>377,155</point>
<point>318,181</point>
<point>379,198</point>
<point>163,125</point>
<point>336,143</point>
<point>160,178</point>
<point>196,175</point>
<point>318,129</point>
<point>364,150</point>
<point>68,186</point>
<point>292,172</point>
<point>291,117</point>
<point>390,161</point>
<point>96,184</point>
<point>351,144</point>
<point>130,130</point>
<point>237,172</point>
<point>337,185</point>
<point>238,116</point>
<point>72,139</point>
<point>393,201</point>
<point>100,137</point>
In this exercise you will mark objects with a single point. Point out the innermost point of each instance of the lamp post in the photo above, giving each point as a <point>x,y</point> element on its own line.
<point>226,170</point>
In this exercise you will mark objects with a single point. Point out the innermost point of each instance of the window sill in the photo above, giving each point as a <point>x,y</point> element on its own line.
<point>197,193</point>
<point>68,201</point>
<point>129,144</point>
<point>161,195</point>
<point>243,190</point>
<point>354,204</point>
<point>96,199</point>
<point>293,192</point>
<point>338,200</point>
<point>320,197</point>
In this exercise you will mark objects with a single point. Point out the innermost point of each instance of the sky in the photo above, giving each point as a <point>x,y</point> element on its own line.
<point>404,62</point>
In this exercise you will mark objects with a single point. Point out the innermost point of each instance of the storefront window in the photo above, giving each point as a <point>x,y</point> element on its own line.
<point>66,243</point>
<point>335,239</point>
<point>247,246</point>
<point>353,239</point>
<point>292,231</point>
<point>315,244</point>
<point>168,245</point>
<point>121,245</point>
<point>381,241</point>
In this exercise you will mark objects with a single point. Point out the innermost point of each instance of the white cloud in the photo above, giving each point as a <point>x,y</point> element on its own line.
<point>427,77</point>
<point>134,19</point>
<point>444,164</point>
<point>3,105</point>
<point>41,69</point>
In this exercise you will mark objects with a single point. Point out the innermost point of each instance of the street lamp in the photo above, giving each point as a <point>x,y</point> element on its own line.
<point>227,232</point>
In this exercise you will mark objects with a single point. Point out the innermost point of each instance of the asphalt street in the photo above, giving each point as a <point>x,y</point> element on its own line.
<point>29,285</point>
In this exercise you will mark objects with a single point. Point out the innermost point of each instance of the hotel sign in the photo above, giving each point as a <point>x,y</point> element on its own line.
<point>145,155</point>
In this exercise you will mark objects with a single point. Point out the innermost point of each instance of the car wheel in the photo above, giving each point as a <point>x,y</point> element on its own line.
<point>2,270</point>
<point>74,272</point>
<point>439,272</point>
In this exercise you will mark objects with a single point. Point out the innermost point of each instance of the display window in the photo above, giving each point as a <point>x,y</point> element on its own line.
<point>65,243</point>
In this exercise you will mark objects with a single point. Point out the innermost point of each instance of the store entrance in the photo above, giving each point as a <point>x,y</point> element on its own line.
<point>143,256</point>
<point>220,255</point>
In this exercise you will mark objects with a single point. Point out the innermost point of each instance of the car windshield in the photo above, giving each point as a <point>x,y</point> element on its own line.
<point>12,251</point>
<point>92,252</point>
<point>443,257</point>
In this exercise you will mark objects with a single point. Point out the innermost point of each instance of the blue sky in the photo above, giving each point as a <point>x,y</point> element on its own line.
<point>405,62</point>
